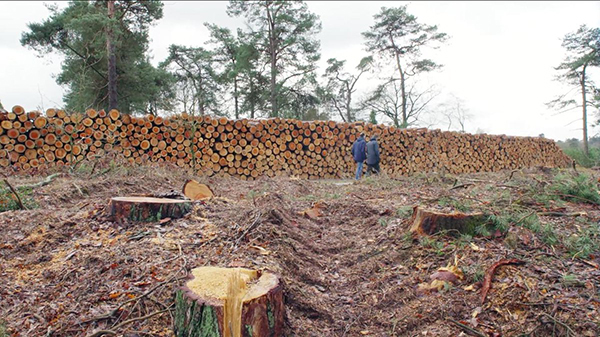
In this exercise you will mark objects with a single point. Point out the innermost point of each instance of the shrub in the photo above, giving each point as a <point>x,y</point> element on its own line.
<point>593,159</point>
<point>580,188</point>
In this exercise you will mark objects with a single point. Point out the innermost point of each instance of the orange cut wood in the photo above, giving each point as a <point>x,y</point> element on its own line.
<point>197,191</point>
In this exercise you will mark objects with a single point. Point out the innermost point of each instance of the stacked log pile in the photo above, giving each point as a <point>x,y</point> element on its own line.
<point>252,148</point>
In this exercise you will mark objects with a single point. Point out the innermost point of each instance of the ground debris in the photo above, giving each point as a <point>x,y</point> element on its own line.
<point>352,270</point>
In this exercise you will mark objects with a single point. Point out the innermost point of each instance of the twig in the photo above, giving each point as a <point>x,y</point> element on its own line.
<point>468,329</point>
<point>461,185</point>
<point>113,332</point>
<point>251,227</point>
<point>19,202</point>
<point>511,175</point>
<point>562,214</point>
<point>44,182</point>
<point>114,311</point>
<point>560,323</point>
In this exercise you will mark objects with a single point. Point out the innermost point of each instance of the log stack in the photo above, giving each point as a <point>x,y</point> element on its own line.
<point>251,148</point>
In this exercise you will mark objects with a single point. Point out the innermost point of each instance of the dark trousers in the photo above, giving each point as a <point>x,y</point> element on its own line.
<point>373,168</point>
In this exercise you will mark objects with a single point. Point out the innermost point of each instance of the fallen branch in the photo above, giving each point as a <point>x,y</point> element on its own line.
<point>562,214</point>
<point>461,186</point>
<point>113,331</point>
<point>44,182</point>
<point>560,323</point>
<point>468,329</point>
<point>19,202</point>
<point>489,274</point>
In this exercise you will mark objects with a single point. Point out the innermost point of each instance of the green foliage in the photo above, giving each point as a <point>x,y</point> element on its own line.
<point>475,272</point>
<point>285,32</point>
<point>8,202</point>
<point>397,35</point>
<point>499,222</point>
<point>585,242</point>
<point>337,93</point>
<point>430,242</point>
<point>459,205</point>
<point>583,53</point>
<point>570,280</point>
<point>404,211</point>
<point>579,188</point>
<point>582,159</point>
<point>195,76</point>
<point>382,222</point>
<point>79,33</point>
<point>3,330</point>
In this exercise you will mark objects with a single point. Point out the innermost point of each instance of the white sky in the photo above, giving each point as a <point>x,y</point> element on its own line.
<point>499,59</point>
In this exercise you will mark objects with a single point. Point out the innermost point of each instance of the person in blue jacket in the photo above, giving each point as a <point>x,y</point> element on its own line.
<point>373,156</point>
<point>359,154</point>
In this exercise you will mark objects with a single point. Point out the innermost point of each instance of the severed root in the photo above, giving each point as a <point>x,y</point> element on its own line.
<point>489,274</point>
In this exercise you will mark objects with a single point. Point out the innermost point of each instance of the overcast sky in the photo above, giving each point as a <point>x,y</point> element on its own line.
<point>499,59</point>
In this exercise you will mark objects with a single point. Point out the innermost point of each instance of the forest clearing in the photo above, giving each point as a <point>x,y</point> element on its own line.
<point>188,169</point>
<point>348,261</point>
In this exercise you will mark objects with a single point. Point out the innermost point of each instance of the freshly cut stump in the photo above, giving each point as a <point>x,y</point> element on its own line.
<point>427,222</point>
<point>230,302</point>
<point>147,208</point>
<point>196,191</point>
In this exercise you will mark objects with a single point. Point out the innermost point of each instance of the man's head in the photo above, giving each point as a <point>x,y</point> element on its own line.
<point>362,134</point>
<point>374,137</point>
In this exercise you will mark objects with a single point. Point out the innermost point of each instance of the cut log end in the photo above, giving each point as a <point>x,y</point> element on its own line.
<point>196,191</point>
<point>147,209</point>
<point>224,302</point>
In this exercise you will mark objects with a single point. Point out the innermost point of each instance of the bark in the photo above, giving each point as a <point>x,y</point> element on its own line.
<point>146,209</point>
<point>198,314</point>
<point>583,94</point>
<point>427,222</point>
<point>112,60</point>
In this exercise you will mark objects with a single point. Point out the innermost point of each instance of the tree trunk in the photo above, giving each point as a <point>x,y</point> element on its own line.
<point>235,98</point>
<point>583,94</point>
<point>147,209</point>
<point>230,302</point>
<point>427,222</point>
<point>112,60</point>
<point>402,84</point>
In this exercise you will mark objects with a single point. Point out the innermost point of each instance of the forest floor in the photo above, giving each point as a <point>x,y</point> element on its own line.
<point>68,270</point>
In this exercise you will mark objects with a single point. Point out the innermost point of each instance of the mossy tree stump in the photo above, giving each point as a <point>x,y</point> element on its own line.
<point>428,222</point>
<point>147,209</point>
<point>230,302</point>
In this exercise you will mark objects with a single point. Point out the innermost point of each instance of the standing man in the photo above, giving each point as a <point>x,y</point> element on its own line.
<point>359,154</point>
<point>372,149</point>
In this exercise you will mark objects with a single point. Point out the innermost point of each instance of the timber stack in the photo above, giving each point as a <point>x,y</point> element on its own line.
<point>251,148</point>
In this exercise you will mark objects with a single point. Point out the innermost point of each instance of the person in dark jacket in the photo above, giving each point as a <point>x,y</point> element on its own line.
<point>372,150</point>
<point>359,154</point>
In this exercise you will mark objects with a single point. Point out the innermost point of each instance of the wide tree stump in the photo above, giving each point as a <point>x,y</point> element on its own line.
<point>427,222</point>
<point>196,191</point>
<point>147,208</point>
<point>230,302</point>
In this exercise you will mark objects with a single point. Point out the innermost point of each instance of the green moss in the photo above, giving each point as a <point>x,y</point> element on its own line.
<point>270,316</point>
<point>192,319</point>
<point>249,330</point>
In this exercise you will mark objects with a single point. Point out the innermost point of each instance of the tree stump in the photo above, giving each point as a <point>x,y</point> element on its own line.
<point>230,302</point>
<point>196,191</point>
<point>147,209</point>
<point>427,222</point>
